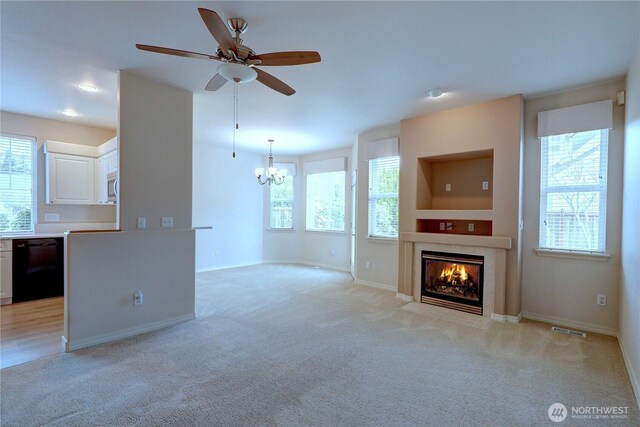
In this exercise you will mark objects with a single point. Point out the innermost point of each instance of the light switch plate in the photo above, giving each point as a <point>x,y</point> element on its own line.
<point>447,187</point>
<point>142,222</point>
<point>167,222</point>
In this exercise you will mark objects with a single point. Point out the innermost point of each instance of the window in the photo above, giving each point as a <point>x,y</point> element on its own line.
<point>325,201</point>
<point>573,191</point>
<point>383,197</point>
<point>281,197</point>
<point>16,183</point>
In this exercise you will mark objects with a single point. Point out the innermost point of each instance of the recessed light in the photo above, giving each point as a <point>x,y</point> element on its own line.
<point>88,88</point>
<point>436,92</point>
<point>70,113</point>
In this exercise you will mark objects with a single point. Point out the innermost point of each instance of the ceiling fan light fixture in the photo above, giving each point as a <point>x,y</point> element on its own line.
<point>88,88</point>
<point>436,92</point>
<point>70,113</point>
<point>237,72</point>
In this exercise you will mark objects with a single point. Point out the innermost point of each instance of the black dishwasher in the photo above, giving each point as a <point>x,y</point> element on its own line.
<point>38,269</point>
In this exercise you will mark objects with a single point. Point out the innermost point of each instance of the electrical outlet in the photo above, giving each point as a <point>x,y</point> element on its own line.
<point>602,300</point>
<point>142,222</point>
<point>485,185</point>
<point>472,227</point>
<point>368,265</point>
<point>447,187</point>
<point>52,217</point>
<point>138,298</point>
<point>167,222</point>
<point>442,226</point>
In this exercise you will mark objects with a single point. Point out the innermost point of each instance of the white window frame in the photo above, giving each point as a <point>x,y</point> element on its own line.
<point>292,199</point>
<point>34,181</point>
<point>376,197</point>
<point>600,188</point>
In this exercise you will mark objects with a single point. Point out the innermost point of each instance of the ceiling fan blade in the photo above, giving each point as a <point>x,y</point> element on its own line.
<point>176,52</point>
<point>274,83</point>
<point>215,83</point>
<point>218,30</point>
<point>287,58</point>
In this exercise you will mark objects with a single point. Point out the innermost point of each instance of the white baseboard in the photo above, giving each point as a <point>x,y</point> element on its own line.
<point>309,263</point>
<point>376,285</point>
<point>635,384</point>
<point>573,324</point>
<point>226,266</point>
<point>506,318</point>
<point>403,297</point>
<point>113,336</point>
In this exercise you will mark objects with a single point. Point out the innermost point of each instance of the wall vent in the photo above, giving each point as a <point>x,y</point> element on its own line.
<point>568,331</point>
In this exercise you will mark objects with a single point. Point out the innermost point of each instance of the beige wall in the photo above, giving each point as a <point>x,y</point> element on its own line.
<point>103,270</point>
<point>562,290</point>
<point>45,129</point>
<point>495,125</point>
<point>227,197</point>
<point>155,137</point>
<point>629,326</point>
<point>106,269</point>
<point>382,254</point>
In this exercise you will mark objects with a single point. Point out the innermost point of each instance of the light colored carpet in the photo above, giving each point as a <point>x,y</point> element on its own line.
<point>293,345</point>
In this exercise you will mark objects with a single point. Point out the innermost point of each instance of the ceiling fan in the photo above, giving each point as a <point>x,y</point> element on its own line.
<point>239,61</point>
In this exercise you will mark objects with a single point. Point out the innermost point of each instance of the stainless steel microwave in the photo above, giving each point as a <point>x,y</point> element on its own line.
<point>112,187</point>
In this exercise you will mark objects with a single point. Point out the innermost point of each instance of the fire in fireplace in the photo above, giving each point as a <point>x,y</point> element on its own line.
<point>452,281</point>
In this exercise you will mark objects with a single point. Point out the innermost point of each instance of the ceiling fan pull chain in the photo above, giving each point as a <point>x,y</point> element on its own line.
<point>235,116</point>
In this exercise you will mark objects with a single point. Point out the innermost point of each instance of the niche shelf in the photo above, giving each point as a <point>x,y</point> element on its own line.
<point>453,214</point>
<point>454,182</point>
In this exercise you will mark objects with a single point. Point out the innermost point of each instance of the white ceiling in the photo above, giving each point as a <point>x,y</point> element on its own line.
<point>378,60</point>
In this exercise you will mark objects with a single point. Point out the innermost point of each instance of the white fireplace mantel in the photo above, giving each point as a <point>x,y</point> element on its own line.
<point>497,242</point>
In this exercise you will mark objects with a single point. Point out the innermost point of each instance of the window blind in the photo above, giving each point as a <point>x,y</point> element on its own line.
<point>324,166</point>
<point>16,183</point>
<point>383,197</point>
<point>573,191</point>
<point>579,118</point>
<point>382,148</point>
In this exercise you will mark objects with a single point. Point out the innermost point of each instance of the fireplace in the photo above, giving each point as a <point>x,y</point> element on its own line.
<point>452,281</point>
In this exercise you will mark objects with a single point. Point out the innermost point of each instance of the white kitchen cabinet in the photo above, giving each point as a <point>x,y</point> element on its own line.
<point>112,161</point>
<point>104,165</point>
<point>6,265</point>
<point>70,179</point>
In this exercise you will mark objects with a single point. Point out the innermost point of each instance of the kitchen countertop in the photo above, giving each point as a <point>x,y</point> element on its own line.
<point>31,236</point>
<point>45,231</point>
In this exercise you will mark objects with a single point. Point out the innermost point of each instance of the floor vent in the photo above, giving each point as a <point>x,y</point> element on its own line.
<point>568,331</point>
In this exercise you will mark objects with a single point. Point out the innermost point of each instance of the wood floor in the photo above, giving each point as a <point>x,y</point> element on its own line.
<point>30,330</point>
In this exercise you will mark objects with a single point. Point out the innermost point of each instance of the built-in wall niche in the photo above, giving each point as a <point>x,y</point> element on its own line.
<point>462,181</point>
<point>455,226</point>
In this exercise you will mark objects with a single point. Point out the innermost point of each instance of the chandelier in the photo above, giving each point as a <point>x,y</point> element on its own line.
<point>273,175</point>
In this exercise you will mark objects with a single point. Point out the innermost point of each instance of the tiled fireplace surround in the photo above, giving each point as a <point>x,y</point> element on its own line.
<point>493,249</point>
